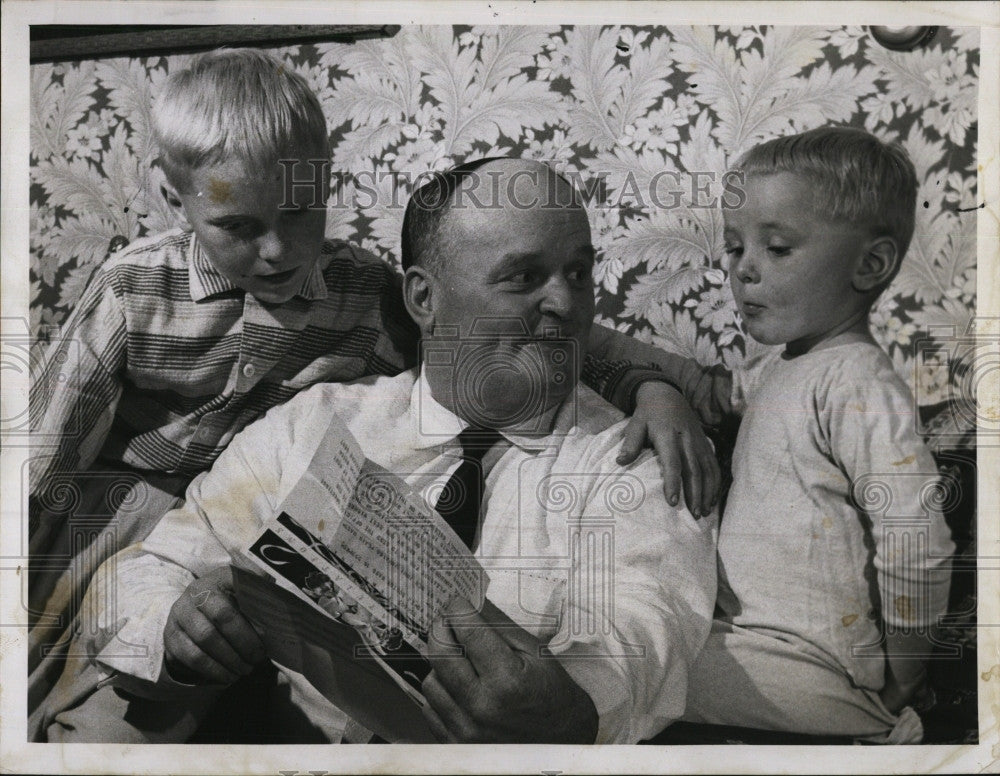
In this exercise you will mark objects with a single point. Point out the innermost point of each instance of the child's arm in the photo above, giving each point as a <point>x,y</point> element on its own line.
<point>663,416</point>
<point>707,390</point>
<point>659,398</point>
<point>73,400</point>
<point>873,438</point>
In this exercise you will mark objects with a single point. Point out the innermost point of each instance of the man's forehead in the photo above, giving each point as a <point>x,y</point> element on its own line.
<point>515,206</point>
<point>518,183</point>
<point>510,223</point>
<point>521,196</point>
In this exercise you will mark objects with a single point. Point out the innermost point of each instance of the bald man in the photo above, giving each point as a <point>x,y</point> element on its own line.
<point>573,645</point>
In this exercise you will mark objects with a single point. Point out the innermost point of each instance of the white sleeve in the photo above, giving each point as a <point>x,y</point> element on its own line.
<point>895,481</point>
<point>131,595</point>
<point>630,646</point>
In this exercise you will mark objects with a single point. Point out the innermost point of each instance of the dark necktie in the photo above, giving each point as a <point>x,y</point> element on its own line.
<point>462,496</point>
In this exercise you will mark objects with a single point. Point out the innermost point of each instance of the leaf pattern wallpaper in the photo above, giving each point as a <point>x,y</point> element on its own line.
<point>644,120</point>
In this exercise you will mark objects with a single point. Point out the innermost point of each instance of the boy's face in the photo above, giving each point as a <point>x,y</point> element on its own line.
<point>791,269</point>
<point>236,211</point>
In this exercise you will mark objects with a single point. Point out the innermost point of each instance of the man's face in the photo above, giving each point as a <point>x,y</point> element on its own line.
<point>516,285</point>
<point>264,248</point>
<point>791,268</point>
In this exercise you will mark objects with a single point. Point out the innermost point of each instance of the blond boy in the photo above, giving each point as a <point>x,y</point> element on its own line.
<point>826,597</point>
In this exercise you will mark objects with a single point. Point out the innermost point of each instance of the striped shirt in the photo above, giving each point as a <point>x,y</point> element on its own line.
<point>164,360</point>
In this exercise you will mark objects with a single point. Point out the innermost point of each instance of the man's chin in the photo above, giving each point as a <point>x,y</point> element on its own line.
<point>506,401</point>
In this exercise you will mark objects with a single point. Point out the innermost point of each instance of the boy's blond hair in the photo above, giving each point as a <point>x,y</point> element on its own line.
<point>858,178</point>
<point>235,103</point>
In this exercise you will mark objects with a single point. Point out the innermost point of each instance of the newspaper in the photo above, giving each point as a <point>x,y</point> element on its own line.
<point>357,567</point>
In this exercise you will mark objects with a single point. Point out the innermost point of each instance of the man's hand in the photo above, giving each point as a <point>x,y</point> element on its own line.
<point>206,638</point>
<point>501,690</point>
<point>664,417</point>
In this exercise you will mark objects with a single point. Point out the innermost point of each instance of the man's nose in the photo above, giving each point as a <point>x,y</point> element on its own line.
<point>558,297</point>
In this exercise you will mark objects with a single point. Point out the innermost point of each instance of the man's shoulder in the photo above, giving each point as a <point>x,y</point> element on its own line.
<point>587,456</point>
<point>373,394</point>
<point>590,413</point>
<point>591,426</point>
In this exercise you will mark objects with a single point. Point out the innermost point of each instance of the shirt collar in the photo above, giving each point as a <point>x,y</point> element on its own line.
<point>434,424</point>
<point>206,280</point>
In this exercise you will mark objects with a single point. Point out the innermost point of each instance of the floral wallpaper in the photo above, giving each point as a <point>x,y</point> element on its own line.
<point>644,120</point>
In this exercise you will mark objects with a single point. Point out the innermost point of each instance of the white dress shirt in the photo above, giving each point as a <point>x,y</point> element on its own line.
<point>584,554</point>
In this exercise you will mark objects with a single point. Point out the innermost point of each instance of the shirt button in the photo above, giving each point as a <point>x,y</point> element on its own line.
<point>248,370</point>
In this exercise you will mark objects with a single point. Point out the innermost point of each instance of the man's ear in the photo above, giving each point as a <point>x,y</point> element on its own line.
<point>418,296</point>
<point>173,199</point>
<point>877,265</point>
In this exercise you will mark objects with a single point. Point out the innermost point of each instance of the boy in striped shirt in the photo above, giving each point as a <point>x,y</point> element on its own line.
<point>185,337</point>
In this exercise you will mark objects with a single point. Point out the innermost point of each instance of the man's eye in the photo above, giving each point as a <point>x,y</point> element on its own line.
<point>734,250</point>
<point>581,275</point>
<point>233,227</point>
<point>297,212</point>
<point>779,250</point>
<point>521,278</point>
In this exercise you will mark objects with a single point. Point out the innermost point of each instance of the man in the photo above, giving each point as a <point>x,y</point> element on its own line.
<point>600,593</point>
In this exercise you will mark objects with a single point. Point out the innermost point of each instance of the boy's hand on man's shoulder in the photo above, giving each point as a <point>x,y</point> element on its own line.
<point>664,418</point>
<point>207,640</point>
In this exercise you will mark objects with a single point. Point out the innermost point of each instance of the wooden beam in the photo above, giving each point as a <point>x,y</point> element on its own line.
<point>56,42</point>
